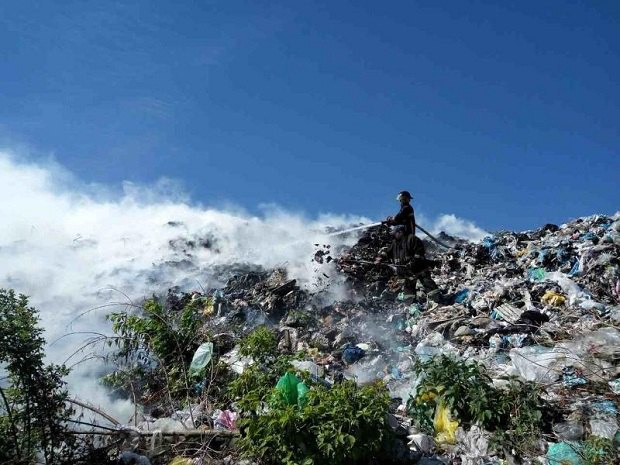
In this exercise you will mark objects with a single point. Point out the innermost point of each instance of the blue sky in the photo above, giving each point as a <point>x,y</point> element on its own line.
<point>504,113</point>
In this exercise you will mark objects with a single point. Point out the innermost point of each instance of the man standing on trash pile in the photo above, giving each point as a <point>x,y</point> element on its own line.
<point>406,215</point>
<point>407,252</point>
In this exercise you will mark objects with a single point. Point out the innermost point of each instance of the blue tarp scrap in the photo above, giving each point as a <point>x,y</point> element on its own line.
<point>352,354</point>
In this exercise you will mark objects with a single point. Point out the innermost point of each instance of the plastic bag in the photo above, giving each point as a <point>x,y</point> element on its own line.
<point>569,431</point>
<point>302,390</point>
<point>126,458</point>
<point>293,390</point>
<point>461,296</point>
<point>201,358</point>
<point>166,425</point>
<point>209,306</point>
<point>235,361</point>
<point>605,407</point>
<point>420,442</point>
<point>604,427</point>
<point>352,354</point>
<point>315,370</point>
<point>564,453</point>
<point>475,443</point>
<point>575,293</point>
<point>538,363</point>
<point>553,298</point>
<point>536,274</point>
<point>226,420</point>
<point>445,428</point>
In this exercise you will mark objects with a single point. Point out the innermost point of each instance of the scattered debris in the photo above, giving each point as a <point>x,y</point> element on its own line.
<point>541,306</point>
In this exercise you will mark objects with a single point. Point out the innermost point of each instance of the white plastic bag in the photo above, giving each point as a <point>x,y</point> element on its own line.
<point>604,427</point>
<point>201,358</point>
<point>538,363</point>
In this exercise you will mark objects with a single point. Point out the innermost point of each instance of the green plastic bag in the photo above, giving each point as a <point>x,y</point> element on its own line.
<point>201,358</point>
<point>536,274</point>
<point>293,390</point>
<point>302,390</point>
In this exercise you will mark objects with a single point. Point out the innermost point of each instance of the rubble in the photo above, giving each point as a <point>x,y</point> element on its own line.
<point>539,305</point>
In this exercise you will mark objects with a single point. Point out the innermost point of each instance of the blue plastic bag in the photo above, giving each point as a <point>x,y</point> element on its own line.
<point>352,354</point>
<point>461,296</point>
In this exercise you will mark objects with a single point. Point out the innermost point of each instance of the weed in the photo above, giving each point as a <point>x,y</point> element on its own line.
<point>157,344</point>
<point>599,451</point>
<point>344,424</point>
<point>260,344</point>
<point>514,414</point>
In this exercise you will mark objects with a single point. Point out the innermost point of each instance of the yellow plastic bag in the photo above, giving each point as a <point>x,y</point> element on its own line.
<point>553,298</point>
<point>426,397</point>
<point>209,307</point>
<point>445,428</point>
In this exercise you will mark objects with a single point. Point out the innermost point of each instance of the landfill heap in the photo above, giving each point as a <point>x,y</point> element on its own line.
<point>542,305</point>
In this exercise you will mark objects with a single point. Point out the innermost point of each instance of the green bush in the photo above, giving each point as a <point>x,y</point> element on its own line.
<point>344,424</point>
<point>251,387</point>
<point>33,410</point>
<point>260,344</point>
<point>515,414</point>
<point>255,384</point>
<point>154,348</point>
<point>599,451</point>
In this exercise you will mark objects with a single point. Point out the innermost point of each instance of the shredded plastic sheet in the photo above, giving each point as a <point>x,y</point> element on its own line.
<point>593,353</point>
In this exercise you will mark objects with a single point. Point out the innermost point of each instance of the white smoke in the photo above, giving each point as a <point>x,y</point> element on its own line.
<point>458,227</point>
<point>76,248</point>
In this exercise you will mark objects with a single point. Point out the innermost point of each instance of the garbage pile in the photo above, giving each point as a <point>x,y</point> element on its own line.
<point>539,306</point>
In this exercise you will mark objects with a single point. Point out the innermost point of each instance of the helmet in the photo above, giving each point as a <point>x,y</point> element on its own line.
<point>403,195</point>
<point>397,227</point>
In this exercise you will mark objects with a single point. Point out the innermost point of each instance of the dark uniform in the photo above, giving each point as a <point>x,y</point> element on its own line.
<point>408,250</point>
<point>406,217</point>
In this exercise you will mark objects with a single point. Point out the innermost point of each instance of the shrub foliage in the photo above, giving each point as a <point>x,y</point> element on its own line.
<point>33,410</point>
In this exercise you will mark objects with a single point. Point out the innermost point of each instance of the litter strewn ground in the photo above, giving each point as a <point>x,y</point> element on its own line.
<point>542,306</point>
